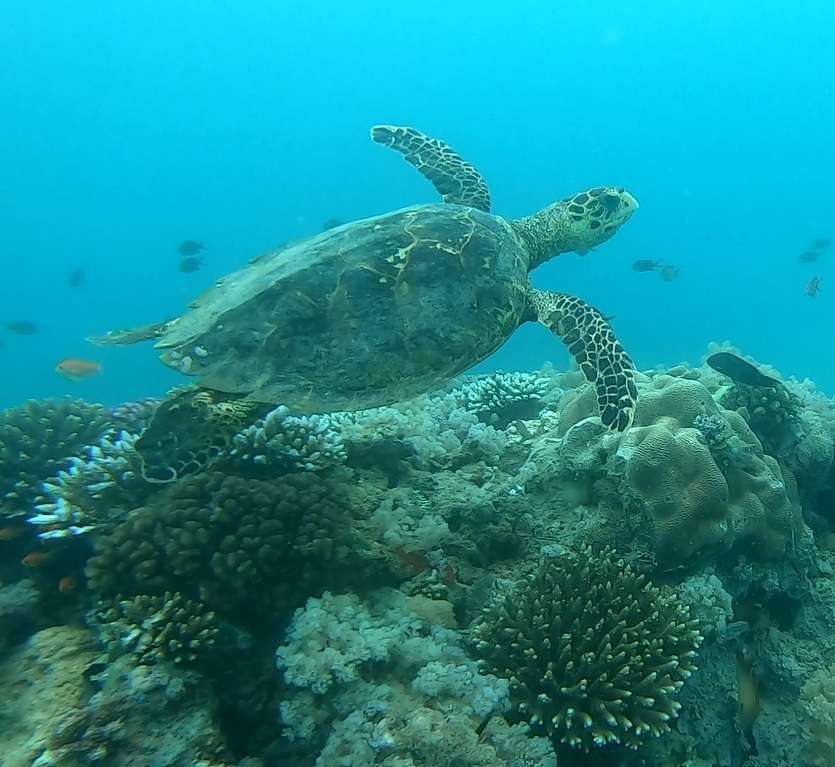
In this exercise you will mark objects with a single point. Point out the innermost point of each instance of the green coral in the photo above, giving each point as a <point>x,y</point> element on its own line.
<point>247,545</point>
<point>36,441</point>
<point>167,627</point>
<point>594,653</point>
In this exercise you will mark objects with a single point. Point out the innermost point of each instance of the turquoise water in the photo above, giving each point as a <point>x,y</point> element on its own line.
<point>130,127</point>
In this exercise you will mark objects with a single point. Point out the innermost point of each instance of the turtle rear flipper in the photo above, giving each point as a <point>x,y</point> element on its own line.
<point>131,336</point>
<point>456,180</point>
<point>592,343</point>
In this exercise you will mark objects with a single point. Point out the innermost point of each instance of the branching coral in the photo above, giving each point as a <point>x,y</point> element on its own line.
<point>290,442</point>
<point>501,398</point>
<point>594,653</point>
<point>167,627</point>
<point>249,544</point>
<point>93,491</point>
<point>36,439</point>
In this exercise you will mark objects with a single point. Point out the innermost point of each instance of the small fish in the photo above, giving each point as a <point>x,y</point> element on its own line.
<point>669,273</point>
<point>190,264</point>
<point>331,223</point>
<point>77,370</point>
<point>813,286</point>
<point>12,532</point>
<point>645,265</point>
<point>809,256</point>
<point>76,278</point>
<point>67,584</point>
<point>190,247</point>
<point>821,244</point>
<point>22,327</point>
<point>740,371</point>
<point>35,559</point>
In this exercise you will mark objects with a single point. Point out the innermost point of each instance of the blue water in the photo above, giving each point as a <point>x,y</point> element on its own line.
<point>128,127</point>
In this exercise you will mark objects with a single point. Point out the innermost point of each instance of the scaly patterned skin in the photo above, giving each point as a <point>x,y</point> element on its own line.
<point>592,343</point>
<point>577,224</point>
<point>456,180</point>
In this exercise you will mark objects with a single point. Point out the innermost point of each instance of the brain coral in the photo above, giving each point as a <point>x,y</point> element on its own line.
<point>593,652</point>
<point>702,494</point>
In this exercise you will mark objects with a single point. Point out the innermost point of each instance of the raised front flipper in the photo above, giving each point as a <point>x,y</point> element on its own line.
<point>455,179</point>
<point>132,336</point>
<point>592,343</point>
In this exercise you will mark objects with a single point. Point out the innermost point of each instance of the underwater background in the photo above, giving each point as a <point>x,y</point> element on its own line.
<point>131,127</point>
<point>540,562</point>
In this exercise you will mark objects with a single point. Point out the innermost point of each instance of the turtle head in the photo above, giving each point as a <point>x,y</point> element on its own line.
<point>578,223</point>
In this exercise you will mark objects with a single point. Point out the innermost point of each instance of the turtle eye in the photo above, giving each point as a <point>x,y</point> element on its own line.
<point>610,202</point>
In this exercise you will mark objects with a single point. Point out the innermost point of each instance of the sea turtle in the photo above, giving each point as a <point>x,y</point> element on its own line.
<point>383,309</point>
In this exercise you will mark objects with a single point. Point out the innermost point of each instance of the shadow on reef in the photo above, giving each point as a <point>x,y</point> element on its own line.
<point>482,576</point>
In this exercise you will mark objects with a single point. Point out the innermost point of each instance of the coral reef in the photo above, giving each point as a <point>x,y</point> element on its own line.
<point>154,628</point>
<point>594,653</point>
<point>37,439</point>
<point>289,442</point>
<point>203,522</point>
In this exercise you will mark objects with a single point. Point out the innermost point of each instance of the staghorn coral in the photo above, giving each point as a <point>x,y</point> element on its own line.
<point>36,441</point>
<point>290,442</point>
<point>94,491</point>
<point>594,653</point>
<point>167,627</point>
<point>246,544</point>
<point>500,398</point>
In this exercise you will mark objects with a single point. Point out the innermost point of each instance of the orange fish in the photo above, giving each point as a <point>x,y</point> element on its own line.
<point>77,370</point>
<point>813,286</point>
<point>67,584</point>
<point>35,559</point>
<point>10,533</point>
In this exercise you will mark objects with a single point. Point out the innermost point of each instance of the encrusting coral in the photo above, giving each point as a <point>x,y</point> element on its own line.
<point>594,653</point>
<point>36,441</point>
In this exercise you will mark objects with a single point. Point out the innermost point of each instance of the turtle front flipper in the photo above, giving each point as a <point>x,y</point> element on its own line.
<point>456,180</point>
<point>592,342</point>
<point>132,336</point>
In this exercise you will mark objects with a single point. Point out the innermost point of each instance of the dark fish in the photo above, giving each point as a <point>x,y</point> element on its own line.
<point>739,370</point>
<point>190,247</point>
<point>813,286</point>
<point>22,327</point>
<point>190,264</point>
<point>809,256</point>
<point>76,278</point>
<point>821,244</point>
<point>331,223</point>
<point>645,265</point>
